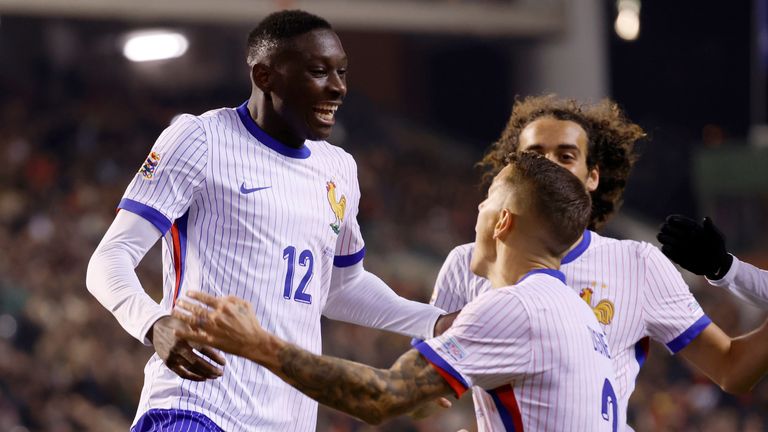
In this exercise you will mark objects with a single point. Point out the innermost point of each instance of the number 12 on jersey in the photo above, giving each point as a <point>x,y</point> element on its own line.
<point>305,260</point>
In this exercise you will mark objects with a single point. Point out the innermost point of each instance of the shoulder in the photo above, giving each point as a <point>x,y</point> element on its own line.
<point>496,304</point>
<point>461,255</point>
<point>626,247</point>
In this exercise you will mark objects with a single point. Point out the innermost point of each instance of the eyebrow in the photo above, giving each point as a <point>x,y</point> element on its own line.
<point>563,146</point>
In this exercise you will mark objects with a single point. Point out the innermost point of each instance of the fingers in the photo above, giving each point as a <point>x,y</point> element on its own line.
<point>212,354</point>
<point>190,310</point>
<point>194,336</point>
<point>185,373</point>
<point>190,365</point>
<point>681,221</point>
<point>201,367</point>
<point>204,298</point>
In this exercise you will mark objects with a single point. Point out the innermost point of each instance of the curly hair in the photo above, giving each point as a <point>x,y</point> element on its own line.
<point>611,139</point>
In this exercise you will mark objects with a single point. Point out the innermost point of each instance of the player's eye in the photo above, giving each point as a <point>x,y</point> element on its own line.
<point>568,157</point>
<point>342,72</point>
<point>317,72</point>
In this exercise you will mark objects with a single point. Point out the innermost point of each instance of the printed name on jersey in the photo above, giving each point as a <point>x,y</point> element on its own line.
<point>599,343</point>
<point>604,309</point>
<point>338,207</point>
<point>147,170</point>
<point>453,348</point>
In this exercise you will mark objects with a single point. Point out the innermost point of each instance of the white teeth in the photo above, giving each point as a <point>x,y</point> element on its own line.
<point>324,116</point>
<point>328,107</point>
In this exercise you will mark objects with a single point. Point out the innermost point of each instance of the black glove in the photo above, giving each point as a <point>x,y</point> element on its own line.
<point>697,247</point>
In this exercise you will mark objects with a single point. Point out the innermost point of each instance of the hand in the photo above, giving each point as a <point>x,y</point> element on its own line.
<point>444,322</point>
<point>698,248</point>
<point>429,408</point>
<point>178,354</point>
<point>226,323</point>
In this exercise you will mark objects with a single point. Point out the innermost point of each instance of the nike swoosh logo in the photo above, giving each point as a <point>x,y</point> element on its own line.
<point>245,190</point>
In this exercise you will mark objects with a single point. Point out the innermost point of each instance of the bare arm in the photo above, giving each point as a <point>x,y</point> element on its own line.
<point>737,364</point>
<point>370,394</point>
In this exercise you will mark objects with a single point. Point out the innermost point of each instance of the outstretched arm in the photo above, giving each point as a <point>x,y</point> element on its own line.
<point>359,297</point>
<point>371,394</point>
<point>737,364</point>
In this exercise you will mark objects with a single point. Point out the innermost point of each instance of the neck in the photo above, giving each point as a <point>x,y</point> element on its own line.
<point>270,122</point>
<point>573,246</point>
<point>511,265</point>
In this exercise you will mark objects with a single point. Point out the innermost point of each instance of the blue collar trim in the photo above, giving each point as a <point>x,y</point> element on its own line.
<point>552,272</point>
<point>580,248</point>
<point>302,152</point>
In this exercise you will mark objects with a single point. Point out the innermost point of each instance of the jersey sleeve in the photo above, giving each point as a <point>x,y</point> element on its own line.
<point>747,282</point>
<point>162,189</point>
<point>452,284</point>
<point>488,346</point>
<point>350,248</point>
<point>672,315</point>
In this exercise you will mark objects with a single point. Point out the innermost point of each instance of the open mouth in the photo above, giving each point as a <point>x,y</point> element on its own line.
<point>325,112</point>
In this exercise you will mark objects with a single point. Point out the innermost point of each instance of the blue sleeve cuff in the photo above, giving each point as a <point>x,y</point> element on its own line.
<point>438,361</point>
<point>162,223</point>
<point>349,260</point>
<point>682,341</point>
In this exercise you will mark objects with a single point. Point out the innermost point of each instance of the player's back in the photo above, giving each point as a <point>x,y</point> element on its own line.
<point>635,292</point>
<point>570,382</point>
<point>535,357</point>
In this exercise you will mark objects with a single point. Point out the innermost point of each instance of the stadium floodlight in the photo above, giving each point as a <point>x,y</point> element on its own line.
<point>148,45</point>
<point>627,23</point>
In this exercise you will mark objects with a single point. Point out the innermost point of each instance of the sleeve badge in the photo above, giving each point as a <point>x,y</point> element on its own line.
<point>147,169</point>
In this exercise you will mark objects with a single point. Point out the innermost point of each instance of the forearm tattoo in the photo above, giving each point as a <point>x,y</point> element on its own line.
<point>359,390</point>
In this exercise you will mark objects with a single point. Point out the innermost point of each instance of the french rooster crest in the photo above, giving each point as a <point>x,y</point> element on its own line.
<point>604,309</point>
<point>338,207</point>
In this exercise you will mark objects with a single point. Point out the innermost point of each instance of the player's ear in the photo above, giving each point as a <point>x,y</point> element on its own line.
<point>593,179</point>
<point>505,224</point>
<point>261,75</point>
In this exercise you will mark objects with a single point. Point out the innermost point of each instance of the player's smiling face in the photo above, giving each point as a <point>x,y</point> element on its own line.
<point>564,142</point>
<point>310,83</point>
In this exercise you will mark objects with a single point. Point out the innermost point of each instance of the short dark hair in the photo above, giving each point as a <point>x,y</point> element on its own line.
<point>611,137</point>
<point>556,196</point>
<point>278,27</point>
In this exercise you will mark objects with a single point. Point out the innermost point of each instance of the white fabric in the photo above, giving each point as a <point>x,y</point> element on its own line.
<point>111,277</point>
<point>647,294</point>
<point>241,214</point>
<point>540,342</point>
<point>360,297</point>
<point>747,282</point>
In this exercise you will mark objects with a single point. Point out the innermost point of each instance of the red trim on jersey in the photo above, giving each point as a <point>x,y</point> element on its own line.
<point>176,240</point>
<point>506,395</point>
<point>457,387</point>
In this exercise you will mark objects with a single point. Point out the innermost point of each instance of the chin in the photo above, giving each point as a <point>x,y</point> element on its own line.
<point>319,134</point>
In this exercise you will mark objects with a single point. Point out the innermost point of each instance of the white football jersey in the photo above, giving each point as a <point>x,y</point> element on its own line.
<point>536,356</point>
<point>636,293</point>
<point>244,215</point>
